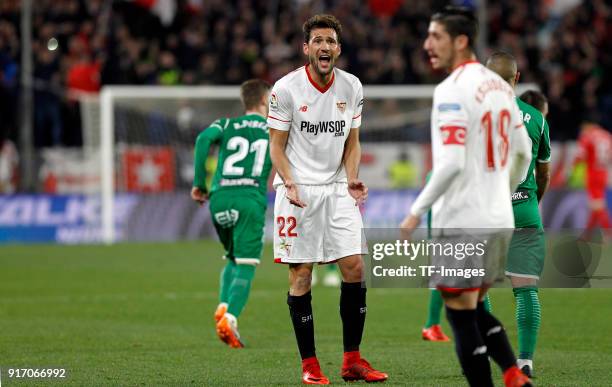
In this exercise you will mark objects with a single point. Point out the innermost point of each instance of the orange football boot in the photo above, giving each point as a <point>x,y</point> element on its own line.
<point>227,330</point>
<point>220,311</point>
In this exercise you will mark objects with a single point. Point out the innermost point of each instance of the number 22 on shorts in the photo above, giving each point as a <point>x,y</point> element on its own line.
<point>288,221</point>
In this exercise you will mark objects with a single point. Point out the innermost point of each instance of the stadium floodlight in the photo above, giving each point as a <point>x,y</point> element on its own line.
<point>161,122</point>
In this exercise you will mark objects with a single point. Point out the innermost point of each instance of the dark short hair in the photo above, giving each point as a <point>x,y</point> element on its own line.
<point>535,99</point>
<point>504,64</point>
<point>251,92</point>
<point>321,21</point>
<point>458,21</point>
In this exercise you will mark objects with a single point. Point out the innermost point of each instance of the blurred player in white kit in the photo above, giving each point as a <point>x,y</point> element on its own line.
<point>480,150</point>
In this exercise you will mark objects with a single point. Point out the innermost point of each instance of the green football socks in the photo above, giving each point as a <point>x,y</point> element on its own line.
<point>240,288</point>
<point>528,316</point>
<point>435,307</point>
<point>487,303</point>
<point>227,275</point>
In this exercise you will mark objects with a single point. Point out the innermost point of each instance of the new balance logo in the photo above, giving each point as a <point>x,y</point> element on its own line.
<point>305,319</point>
<point>304,108</point>
<point>332,127</point>
<point>363,310</point>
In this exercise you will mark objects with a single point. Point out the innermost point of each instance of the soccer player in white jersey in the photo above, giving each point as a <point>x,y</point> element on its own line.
<point>480,150</point>
<point>314,120</point>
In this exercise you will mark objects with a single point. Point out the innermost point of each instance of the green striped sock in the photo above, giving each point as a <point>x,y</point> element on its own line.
<point>487,304</point>
<point>227,275</point>
<point>528,316</point>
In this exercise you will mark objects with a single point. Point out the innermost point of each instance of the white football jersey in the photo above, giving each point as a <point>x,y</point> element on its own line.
<point>476,131</point>
<point>318,120</point>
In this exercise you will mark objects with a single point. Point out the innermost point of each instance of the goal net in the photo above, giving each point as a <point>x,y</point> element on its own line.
<point>144,138</point>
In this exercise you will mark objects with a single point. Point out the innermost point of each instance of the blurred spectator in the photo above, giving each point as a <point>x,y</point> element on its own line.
<point>48,126</point>
<point>168,73</point>
<point>9,81</point>
<point>9,165</point>
<point>403,172</point>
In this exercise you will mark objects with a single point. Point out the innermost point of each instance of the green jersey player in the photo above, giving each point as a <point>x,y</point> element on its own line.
<point>237,199</point>
<point>527,249</point>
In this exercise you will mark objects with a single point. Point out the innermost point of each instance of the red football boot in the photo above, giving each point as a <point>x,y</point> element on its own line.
<point>513,377</point>
<point>356,368</point>
<point>434,333</point>
<point>311,372</point>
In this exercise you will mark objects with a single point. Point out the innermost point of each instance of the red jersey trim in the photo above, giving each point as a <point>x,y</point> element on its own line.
<point>357,117</point>
<point>278,119</point>
<point>316,86</point>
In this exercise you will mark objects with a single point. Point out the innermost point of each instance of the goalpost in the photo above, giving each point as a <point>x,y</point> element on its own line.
<point>161,123</point>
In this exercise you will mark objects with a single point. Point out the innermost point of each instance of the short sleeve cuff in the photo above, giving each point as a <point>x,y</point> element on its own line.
<point>278,123</point>
<point>356,122</point>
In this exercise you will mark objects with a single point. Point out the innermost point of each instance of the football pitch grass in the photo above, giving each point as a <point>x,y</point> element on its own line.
<point>142,314</point>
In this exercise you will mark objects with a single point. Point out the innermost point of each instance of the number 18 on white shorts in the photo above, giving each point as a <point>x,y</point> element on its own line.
<point>327,229</point>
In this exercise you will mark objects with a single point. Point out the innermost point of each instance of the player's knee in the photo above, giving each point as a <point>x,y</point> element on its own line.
<point>352,269</point>
<point>300,279</point>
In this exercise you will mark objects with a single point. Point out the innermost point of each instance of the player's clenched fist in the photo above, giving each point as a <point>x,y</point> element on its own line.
<point>358,190</point>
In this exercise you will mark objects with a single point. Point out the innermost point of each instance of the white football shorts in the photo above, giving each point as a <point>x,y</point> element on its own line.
<point>327,229</point>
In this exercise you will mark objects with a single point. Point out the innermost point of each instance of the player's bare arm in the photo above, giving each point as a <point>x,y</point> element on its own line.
<point>278,142</point>
<point>542,176</point>
<point>352,155</point>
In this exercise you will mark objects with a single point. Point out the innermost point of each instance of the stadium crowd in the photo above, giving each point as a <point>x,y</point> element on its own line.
<point>80,45</point>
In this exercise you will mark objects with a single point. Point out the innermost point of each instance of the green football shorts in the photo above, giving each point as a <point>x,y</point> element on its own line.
<point>526,253</point>
<point>239,220</point>
<point>527,212</point>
